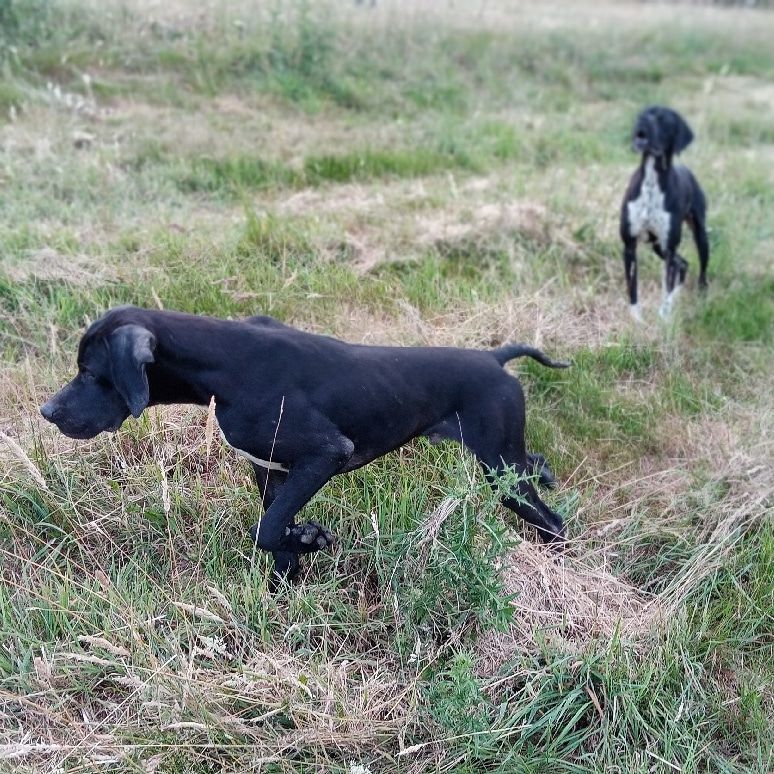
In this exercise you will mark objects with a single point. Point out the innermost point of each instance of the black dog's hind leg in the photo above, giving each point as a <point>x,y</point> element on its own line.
<point>538,466</point>
<point>498,454</point>
<point>526,502</point>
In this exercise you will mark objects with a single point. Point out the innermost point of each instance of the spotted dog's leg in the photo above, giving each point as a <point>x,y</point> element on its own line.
<point>682,266</point>
<point>630,269</point>
<point>702,247</point>
<point>675,268</point>
<point>670,286</point>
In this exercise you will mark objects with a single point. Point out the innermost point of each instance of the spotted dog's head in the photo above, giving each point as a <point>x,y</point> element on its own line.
<point>111,382</point>
<point>661,131</point>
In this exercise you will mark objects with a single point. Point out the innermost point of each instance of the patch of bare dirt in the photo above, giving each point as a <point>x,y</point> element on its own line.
<point>525,218</point>
<point>742,90</point>
<point>351,198</point>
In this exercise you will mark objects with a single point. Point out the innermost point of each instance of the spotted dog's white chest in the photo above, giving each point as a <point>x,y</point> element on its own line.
<point>647,214</point>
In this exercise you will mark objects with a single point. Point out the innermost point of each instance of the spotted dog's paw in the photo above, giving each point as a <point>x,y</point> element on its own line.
<point>308,537</point>
<point>667,304</point>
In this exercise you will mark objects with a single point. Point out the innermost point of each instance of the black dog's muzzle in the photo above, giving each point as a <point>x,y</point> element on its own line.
<point>49,411</point>
<point>55,415</point>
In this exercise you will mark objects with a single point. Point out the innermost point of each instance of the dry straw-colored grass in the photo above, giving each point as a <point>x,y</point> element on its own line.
<point>48,264</point>
<point>204,690</point>
<point>571,604</point>
<point>219,680</point>
<point>221,683</point>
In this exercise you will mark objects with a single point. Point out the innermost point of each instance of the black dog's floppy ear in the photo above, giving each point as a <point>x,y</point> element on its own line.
<point>683,133</point>
<point>131,348</point>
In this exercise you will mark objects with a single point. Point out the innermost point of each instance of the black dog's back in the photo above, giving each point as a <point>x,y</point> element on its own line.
<point>304,407</point>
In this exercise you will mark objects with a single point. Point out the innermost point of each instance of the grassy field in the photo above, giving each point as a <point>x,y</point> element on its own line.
<point>415,173</point>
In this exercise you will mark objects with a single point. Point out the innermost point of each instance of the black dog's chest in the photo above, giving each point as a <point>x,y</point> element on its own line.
<point>269,464</point>
<point>647,213</point>
<point>256,442</point>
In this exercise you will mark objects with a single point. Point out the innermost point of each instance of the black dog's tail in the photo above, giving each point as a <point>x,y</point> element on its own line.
<point>510,351</point>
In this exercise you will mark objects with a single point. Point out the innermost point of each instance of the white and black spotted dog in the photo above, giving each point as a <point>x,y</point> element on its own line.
<point>661,195</point>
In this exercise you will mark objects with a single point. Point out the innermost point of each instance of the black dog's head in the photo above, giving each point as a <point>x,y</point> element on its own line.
<point>661,131</point>
<point>111,382</point>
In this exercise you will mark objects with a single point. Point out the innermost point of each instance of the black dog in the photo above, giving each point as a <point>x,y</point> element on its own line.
<point>661,195</point>
<point>303,407</point>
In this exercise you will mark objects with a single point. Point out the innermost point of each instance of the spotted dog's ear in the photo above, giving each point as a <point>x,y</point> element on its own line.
<point>683,136</point>
<point>131,348</point>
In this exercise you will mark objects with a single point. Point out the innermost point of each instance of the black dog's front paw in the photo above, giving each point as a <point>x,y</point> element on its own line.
<point>302,538</point>
<point>309,537</point>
